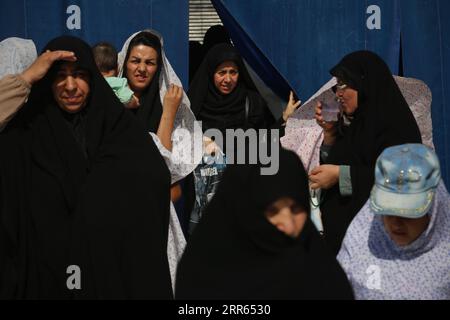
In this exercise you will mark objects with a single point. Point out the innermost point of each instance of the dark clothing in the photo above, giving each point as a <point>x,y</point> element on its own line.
<point>195,58</point>
<point>223,112</point>
<point>382,119</point>
<point>215,35</point>
<point>236,253</point>
<point>89,190</point>
<point>244,108</point>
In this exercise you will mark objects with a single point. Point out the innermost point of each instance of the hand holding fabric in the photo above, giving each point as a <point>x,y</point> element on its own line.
<point>172,100</point>
<point>324,177</point>
<point>291,107</point>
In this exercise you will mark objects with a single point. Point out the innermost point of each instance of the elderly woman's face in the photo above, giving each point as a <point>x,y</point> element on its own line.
<point>226,77</point>
<point>287,217</point>
<point>141,65</point>
<point>347,97</point>
<point>405,231</point>
<point>71,87</point>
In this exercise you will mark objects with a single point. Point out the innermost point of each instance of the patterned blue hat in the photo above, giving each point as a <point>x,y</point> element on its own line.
<point>406,178</point>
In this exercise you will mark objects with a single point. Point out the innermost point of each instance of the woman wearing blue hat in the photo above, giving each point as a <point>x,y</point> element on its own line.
<point>397,247</point>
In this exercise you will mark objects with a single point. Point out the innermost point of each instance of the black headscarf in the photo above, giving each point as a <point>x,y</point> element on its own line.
<point>102,206</point>
<point>236,253</point>
<point>220,111</point>
<point>215,35</point>
<point>382,119</point>
<point>150,110</point>
<point>195,58</point>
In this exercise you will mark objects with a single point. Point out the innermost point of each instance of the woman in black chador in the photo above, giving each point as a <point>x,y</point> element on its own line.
<point>256,241</point>
<point>374,116</point>
<point>81,184</point>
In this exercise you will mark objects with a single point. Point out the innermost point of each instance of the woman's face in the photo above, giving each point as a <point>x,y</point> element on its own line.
<point>226,77</point>
<point>141,65</point>
<point>347,97</point>
<point>405,231</point>
<point>287,217</point>
<point>71,87</point>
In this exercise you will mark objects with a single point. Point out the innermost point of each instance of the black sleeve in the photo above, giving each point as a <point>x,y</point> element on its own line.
<point>280,125</point>
<point>260,116</point>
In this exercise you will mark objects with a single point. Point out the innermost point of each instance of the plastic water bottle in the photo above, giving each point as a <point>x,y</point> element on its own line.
<point>330,111</point>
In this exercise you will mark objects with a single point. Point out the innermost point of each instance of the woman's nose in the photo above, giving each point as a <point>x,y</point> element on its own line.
<point>141,67</point>
<point>70,83</point>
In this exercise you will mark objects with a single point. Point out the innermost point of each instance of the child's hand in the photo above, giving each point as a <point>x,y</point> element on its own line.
<point>133,103</point>
<point>209,146</point>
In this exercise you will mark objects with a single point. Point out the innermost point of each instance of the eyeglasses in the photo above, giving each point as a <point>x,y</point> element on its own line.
<point>341,85</point>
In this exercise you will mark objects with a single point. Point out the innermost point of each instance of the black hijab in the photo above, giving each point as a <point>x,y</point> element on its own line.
<point>215,35</point>
<point>195,58</point>
<point>382,119</point>
<point>102,206</point>
<point>220,111</point>
<point>236,253</point>
<point>150,110</point>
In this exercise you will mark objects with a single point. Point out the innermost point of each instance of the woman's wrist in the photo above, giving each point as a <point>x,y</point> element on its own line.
<point>27,77</point>
<point>168,114</point>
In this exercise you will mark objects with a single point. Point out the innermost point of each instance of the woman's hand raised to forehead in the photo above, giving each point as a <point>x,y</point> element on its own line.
<point>172,100</point>
<point>44,62</point>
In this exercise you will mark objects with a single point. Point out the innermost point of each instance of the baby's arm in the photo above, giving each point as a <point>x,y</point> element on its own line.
<point>133,103</point>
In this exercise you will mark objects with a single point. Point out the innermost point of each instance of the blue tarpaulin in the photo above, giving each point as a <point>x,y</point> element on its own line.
<point>290,43</point>
<point>304,39</point>
<point>100,20</point>
<point>426,56</point>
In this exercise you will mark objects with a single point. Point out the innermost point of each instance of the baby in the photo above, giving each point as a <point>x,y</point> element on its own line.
<point>105,56</point>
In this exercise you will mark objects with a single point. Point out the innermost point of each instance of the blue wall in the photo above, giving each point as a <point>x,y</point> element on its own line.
<point>304,39</point>
<point>101,20</point>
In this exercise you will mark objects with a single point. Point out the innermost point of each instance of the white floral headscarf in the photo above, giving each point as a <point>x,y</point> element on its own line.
<point>16,55</point>
<point>304,136</point>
